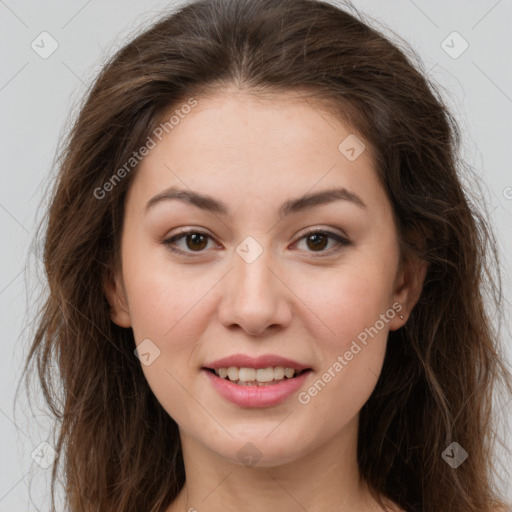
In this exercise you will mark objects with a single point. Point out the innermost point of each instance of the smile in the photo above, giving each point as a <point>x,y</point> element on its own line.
<point>253,394</point>
<point>257,376</point>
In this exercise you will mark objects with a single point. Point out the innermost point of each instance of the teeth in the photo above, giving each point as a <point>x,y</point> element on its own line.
<point>246,374</point>
<point>263,375</point>
<point>288,372</point>
<point>279,373</point>
<point>233,373</point>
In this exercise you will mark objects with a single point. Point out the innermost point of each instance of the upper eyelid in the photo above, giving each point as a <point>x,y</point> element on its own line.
<point>304,233</point>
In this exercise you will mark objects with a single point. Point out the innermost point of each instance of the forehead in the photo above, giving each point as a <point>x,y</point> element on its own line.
<point>238,123</point>
<point>263,147</point>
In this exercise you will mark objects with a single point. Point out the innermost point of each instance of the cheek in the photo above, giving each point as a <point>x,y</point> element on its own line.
<point>351,365</point>
<point>167,307</point>
<point>163,296</point>
<point>344,301</point>
<point>168,310</point>
<point>351,305</point>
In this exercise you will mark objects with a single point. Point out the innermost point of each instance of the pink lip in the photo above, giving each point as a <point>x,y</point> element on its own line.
<point>256,396</point>
<point>264,361</point>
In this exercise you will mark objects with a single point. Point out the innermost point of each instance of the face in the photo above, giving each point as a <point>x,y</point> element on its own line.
<point>315,282</point>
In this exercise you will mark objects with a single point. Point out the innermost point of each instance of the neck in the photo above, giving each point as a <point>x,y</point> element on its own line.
<point>325,478</point>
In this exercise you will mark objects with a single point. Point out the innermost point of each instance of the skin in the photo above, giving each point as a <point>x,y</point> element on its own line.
<point>254,154</point>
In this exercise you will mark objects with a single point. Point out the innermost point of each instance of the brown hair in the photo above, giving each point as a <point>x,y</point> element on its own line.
<point>118,447</point>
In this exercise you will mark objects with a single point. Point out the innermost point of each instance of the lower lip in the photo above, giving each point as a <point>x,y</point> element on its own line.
<point>256,396</point>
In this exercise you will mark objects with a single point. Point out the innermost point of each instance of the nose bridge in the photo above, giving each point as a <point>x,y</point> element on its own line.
<point>253,279</point>
<point>256,298</point>
<point>252,273</point>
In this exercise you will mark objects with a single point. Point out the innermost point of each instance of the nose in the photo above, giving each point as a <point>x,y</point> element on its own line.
<point>255,297</point>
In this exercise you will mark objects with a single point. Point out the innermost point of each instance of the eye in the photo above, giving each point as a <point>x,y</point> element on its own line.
<point>196,241</point>
<point>317,240</point>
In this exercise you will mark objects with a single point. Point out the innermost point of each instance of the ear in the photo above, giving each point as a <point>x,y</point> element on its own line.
<point>408,288</point>
<point>116,297</point>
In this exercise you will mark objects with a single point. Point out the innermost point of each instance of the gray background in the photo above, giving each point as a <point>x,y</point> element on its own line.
<point>37,96</point>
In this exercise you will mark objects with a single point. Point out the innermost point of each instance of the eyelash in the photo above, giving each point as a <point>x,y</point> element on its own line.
<point>342,242</point>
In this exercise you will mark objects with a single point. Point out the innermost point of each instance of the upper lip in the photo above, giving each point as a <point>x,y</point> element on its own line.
<point>263,361</point>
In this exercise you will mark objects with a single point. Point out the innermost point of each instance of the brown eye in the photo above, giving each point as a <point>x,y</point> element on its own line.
<point>195,241</point>
<point>318,240</point>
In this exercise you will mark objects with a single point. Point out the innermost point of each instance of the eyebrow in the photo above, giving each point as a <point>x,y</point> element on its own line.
<point>305,202</point>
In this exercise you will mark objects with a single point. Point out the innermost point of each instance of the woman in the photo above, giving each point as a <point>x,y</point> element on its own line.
<point>215,350</point>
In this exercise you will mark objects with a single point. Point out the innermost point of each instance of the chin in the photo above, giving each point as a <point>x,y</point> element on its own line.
<point>258,450</point>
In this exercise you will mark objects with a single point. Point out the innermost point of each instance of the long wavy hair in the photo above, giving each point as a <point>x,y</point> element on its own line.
<point>117,447</point>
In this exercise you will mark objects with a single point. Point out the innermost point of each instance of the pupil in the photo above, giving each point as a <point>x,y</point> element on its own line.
<point>316,244</point>
<point>194,237</point>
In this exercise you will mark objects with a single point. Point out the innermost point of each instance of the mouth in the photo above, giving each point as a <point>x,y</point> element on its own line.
<point>257,377</point>
<point>257,386</point>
